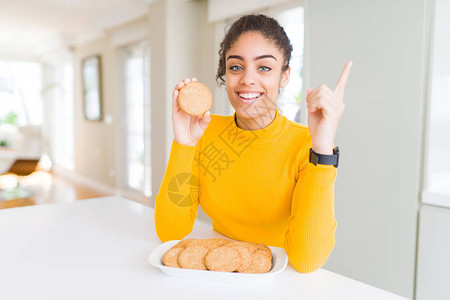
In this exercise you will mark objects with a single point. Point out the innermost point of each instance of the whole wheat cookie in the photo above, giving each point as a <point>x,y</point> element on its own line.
<point>261,262</point>
<point>244,251</point>
<point>170,258</point>
<point>195,98</point>
<point>208,243</point>
<point>195,242</point>
<point>265,249</point>
<point>193,257</point>
<point>251,246</point>
<point>215,243</point>
<point>184,243</point>
<point>225,259</point>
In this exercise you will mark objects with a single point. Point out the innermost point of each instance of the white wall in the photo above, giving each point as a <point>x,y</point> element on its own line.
<point>380,134</point>
<point>95,150</point>
<point>433,268</point>
<point>181,43</point>
<point>158,91</point>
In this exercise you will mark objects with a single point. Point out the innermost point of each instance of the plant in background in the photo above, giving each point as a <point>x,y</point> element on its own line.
<point>8,122</point>
<point>10,118</point>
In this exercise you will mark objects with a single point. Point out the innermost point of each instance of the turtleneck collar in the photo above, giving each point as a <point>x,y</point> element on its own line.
<point>266,134</point>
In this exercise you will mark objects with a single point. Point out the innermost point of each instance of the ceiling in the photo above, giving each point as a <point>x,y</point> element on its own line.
<point>31,28</point>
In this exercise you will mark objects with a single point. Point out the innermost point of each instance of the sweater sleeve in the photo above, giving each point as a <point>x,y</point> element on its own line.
<point>310,236</point>
<point>178,197</point>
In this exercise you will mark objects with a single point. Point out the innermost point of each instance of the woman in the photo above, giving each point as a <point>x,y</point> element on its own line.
<point>251,172</point>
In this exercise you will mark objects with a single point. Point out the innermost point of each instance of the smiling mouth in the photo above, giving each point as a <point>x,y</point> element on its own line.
<point>249,97</point>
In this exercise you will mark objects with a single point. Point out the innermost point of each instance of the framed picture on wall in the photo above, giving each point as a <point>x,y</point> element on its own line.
<point>92,94</point>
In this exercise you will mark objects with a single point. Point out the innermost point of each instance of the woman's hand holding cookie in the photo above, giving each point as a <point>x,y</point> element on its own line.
<point>187,128</point>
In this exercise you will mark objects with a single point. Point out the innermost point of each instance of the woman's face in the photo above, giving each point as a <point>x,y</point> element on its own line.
<point>253,77</point>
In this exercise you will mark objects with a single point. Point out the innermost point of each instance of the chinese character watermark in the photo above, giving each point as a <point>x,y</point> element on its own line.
<point>213,160</point>
<point>237,140</point>
<point>256,110</point>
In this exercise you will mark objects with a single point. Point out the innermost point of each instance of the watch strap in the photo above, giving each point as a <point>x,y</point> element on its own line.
<point>324,159</point>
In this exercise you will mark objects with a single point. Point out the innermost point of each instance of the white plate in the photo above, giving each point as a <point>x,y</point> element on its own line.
<point>279,262</point>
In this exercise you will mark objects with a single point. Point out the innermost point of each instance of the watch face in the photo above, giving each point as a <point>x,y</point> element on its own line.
<point>336,150</point>
<point>313,157</point>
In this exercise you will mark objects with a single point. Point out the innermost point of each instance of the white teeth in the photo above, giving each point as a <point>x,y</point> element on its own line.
<point>249,95</point>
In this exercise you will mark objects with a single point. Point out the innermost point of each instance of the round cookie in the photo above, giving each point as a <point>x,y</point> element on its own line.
<point>184,243</point>
<point>208,243</point>
<point>215,243</point>
<point>225,259</point>
<point>193,257</point>
<point>170,258</point>
<point>194,242</point>
<point>244,251</point>
<point>261,262</point>
<point>265,249</point>
<point>252,246</point>
<point>195,98</point>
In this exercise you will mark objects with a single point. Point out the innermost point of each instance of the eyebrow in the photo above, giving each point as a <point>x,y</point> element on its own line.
<point>256,58</point>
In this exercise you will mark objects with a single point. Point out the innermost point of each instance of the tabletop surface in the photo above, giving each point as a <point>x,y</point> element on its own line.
<point>98,249</point>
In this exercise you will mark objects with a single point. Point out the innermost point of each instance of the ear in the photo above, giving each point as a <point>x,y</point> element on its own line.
<point>284,80</point>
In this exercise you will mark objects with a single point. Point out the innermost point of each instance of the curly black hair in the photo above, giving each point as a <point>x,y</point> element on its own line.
<point>265,25</point>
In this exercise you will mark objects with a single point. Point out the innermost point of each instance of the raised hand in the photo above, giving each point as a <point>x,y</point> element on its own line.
<point>325,107</point>
<point>187,129</point>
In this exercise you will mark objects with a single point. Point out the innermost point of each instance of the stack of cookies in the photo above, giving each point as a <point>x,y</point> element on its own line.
<point>219,255</point>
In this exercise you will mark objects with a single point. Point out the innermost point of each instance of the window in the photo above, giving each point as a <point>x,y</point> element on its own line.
<point>21,111</point>
<point>58,94</point>
<point>137,118</point>
<point>20,92</point>
<point>437,171</point>
<point>290,97</point>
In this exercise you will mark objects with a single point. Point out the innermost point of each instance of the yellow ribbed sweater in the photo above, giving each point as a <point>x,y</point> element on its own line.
<point>255,186</point>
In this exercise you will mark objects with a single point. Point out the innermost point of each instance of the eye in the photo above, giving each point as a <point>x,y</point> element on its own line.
<point>235,68</point>
<point>264,69</point>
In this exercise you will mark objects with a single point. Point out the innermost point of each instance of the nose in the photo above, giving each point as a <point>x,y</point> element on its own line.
<point>248,78</point>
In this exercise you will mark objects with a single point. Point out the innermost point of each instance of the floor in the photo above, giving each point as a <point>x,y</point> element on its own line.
<point>40,188</point>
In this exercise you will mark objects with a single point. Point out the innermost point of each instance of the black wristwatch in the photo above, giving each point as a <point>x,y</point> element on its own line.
<point>323,159</point>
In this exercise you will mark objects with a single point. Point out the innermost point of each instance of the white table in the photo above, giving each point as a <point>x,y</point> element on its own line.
<point>98,249</point>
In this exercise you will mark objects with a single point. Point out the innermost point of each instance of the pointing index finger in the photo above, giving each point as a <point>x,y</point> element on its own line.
<point>342,81</point>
